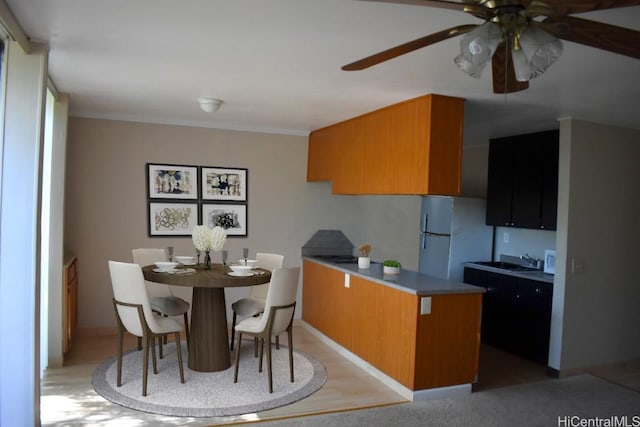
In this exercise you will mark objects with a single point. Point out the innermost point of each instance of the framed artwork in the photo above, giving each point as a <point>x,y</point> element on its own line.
<point>166,181</point>
<point>172,218</point>
<point>227,184</point>
<point>232,218</point>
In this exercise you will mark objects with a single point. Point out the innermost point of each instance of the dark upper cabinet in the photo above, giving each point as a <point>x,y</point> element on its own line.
<point>522,186</point>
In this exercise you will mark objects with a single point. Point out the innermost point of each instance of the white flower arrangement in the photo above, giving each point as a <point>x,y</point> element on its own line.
<point>208,239</point>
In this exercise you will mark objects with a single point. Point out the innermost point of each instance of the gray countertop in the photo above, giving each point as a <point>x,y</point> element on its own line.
<point>539,276</point>
<point>407,281</point>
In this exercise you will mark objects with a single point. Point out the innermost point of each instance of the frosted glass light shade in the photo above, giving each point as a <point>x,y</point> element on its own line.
<point>210,105</point>
<point>474,70</point>
<point>477,48</point>
<point>538,50</point>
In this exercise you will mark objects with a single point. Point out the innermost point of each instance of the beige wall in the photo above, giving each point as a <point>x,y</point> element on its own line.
<point>595,307</point>
<point>106,206</point>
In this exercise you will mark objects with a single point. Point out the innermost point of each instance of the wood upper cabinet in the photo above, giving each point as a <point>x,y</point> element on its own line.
<point>414,147</point>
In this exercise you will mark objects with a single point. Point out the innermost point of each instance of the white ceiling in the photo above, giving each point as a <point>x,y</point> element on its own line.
<point>276,64</point>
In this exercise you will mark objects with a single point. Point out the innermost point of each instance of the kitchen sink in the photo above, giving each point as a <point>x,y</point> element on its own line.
<point>505,265</point>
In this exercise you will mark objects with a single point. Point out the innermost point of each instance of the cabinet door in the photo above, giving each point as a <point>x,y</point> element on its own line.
<point>534,319</point>
<point>326,303</point>
<point>522,187</point>
<point>321,157</point>
<point>70,309</point>
<point>413,147</point>
<point>498,311</point>
<point>476,277</point>
<point>527,182</point>
<point>313,296</point>
<point>499,182</point>
<point>549,146</point>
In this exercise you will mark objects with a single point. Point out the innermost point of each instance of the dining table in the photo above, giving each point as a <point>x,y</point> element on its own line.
<point>208,333</point>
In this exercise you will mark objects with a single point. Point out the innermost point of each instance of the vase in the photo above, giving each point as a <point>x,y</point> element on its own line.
<point>390,270</point>
<point>207,261</point>
<point>364,262</point>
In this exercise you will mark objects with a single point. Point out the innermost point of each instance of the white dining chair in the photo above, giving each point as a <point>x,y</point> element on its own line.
<point>277,318</point>
<point>255,302</point>
<point>161,297</point>
<point>134,315</point>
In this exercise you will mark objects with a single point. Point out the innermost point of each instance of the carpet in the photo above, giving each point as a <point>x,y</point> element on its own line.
<point>209,394</point>
<point>575,401</point>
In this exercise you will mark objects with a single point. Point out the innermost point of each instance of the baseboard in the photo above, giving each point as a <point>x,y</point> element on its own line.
<point>405,392</point>
<point>598,370</point>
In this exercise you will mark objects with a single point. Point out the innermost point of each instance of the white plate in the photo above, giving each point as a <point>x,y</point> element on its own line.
<point>157,270</point>
<point>240,273</point>
<point>182,271</point>
<point>189,263</point>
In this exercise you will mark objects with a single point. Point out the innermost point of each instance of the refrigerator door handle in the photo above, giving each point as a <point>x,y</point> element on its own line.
<point>430,234</point>
<point>423,232</point>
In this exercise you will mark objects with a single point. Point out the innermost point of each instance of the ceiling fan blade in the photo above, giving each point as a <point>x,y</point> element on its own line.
<point>433,3</point>
<point>597,34</point>
<point>568,7</point>
<point>407,47</point>
<point>504,77</point>
<point>471,6</point>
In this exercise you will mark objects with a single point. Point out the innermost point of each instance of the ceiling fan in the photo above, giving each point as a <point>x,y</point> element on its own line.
<point>519,37</point>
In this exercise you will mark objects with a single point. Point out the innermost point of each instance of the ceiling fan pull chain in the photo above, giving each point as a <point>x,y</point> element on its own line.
<point>506,65</point>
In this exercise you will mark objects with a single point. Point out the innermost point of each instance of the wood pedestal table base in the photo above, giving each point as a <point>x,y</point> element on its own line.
<point>209,337</point>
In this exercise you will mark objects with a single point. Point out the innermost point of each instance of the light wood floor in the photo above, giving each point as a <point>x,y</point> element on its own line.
<point>68,398</point>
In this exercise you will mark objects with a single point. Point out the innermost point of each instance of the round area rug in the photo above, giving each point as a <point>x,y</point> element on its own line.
<point>209,394</point>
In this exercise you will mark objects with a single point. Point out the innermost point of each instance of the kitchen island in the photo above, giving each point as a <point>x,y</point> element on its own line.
<point>417,333</point>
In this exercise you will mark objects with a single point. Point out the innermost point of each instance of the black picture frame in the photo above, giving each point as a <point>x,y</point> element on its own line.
<point>171,181</point>
<point>232,217</point>
<point>224,184</point>
<point>172,218</point>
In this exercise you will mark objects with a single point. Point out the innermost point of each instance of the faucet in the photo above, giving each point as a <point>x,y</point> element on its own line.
<point>532,261</point>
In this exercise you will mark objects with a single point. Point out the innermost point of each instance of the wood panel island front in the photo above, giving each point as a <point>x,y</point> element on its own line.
<point>417,333</point>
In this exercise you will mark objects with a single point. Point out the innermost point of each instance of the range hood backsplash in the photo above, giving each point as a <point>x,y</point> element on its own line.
<point>328,243</point>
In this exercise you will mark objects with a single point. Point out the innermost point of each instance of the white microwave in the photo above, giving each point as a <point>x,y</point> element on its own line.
<point>550,261</point>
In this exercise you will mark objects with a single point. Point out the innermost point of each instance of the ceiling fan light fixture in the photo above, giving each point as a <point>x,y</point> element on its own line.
<point>479,45</point>
<point>538,51</point>
<point>521,66</point>
<point>471,69</point>
<point>210,105</point>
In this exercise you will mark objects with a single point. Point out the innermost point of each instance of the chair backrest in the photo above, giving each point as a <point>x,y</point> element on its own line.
<point>148,256</point>
<point>128,286</point>
<point>269,262</point>
<point>283,290</point>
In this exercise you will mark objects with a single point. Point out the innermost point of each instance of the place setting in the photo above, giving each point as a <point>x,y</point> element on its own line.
<point>244,267</point>
<point>173,267</point>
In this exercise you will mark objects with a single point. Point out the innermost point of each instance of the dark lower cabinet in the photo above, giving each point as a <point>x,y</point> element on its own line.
<point>516,313</point>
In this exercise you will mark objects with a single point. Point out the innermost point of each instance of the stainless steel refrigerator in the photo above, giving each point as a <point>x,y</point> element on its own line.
<point>453,231</point>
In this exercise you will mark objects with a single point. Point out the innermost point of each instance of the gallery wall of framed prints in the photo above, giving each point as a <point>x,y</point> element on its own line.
<point>179,197</point>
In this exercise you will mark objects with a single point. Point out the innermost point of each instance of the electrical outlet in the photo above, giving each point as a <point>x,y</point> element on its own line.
<point>425,305</point>
<point>505,237</point>
<point>347,280</point>
<point>577,266</point>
